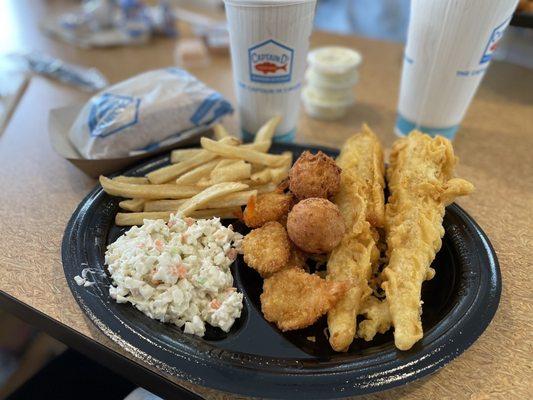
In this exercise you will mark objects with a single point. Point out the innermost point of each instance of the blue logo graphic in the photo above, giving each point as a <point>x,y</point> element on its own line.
<point>111,113</point>
<point>270,62</point>
<point>492,45</point>
<point>211,109</point>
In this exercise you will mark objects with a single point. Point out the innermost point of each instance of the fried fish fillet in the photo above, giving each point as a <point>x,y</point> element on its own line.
<point>378,319</point>
<point>361,203</point>
<point>362,156</point>
<point>421,185</point>
<point>294,299</point>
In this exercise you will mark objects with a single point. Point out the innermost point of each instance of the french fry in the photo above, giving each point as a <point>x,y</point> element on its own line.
<point>128,190</point>
<point>266,132</point>
<point>229,200</point>
<point>132,204</point>
<point>242,153</point>
<point>225,162</point>
<point>138,180</point>
<point>257,168</point>
<point>236,171</point>
<point>179,155</point>
<point>137,218</point>
<point>222,213</point>
<point>172,171</point>
<point>266,188</point>
<point>220,131</point>
<point>163,205</point>
<point>232,199</point>
<point>262,147</point>
<point>183,154</point>
<point>194,175</point>
<point>204,182</point>
<point>274,175</point>
<point>166,174</point>
<point>201,199</point>
<point>262,176</point>
<point>280,173</point>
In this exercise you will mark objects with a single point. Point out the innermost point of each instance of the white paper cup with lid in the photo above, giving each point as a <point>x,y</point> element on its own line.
<point>269,41</point>
<point>449,47</point>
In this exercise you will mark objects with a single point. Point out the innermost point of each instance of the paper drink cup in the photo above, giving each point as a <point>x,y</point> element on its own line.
<point>449,46</point>
<point>269,41</point>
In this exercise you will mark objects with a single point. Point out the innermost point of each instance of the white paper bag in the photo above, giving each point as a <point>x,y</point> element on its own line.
<point>150,110</point>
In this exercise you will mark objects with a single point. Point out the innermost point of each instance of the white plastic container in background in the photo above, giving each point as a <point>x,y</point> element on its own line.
<point>330,80</point>
<point>326,107</point>
<point>269,41</point>
<point>449,47</point>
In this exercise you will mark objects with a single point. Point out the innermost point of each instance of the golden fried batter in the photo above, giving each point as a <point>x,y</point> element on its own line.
<point>267,207</point>
<point>314,175</point>
<point>267,249</point>
<point>294,299</point>
<point>421,185</point>
<point>360,201</point>
<point>297,258</point>
<point>315,225</point>
<point>362,159</point>
<point>378,318</point>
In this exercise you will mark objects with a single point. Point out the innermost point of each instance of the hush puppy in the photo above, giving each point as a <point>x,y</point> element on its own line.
<point>314,175</point>
<point>267,207</point>
<point>315,225</point>
<point>267,249</point>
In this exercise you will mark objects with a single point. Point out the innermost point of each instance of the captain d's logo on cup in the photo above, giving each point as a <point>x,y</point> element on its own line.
<point>494,39</point>
<point>270,62</point>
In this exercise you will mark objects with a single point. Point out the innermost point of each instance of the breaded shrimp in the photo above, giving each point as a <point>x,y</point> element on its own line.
<point>267,207</point>
<point>294,299</point>
<point>267,249</point>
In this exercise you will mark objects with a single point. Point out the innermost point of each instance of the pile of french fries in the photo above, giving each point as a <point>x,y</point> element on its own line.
<point>214,180</point>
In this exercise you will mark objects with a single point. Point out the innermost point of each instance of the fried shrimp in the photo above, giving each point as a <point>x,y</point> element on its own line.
<point>267,207</point>
<point>267,249</point>
<point>294,299</point>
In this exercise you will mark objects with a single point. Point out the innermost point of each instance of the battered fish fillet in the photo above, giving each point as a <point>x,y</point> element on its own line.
<point>362,154</point>
<point>421,185</point>
<point>378,319</point>
<point>361,203</point>
<point>294,299</point>
<point>267,249</point>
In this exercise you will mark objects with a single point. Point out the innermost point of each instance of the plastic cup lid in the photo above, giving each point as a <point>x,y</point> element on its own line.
<point>334,59</point>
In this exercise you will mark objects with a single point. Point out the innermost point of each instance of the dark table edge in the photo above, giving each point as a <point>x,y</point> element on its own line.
<point>97,352</point>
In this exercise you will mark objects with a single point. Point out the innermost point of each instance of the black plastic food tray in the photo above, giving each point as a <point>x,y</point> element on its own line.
<point>255,358</point>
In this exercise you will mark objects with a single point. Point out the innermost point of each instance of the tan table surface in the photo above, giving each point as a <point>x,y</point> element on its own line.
<point>39,190</point>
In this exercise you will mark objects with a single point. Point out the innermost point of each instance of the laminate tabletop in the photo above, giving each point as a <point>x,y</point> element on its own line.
<point>39,191</point>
